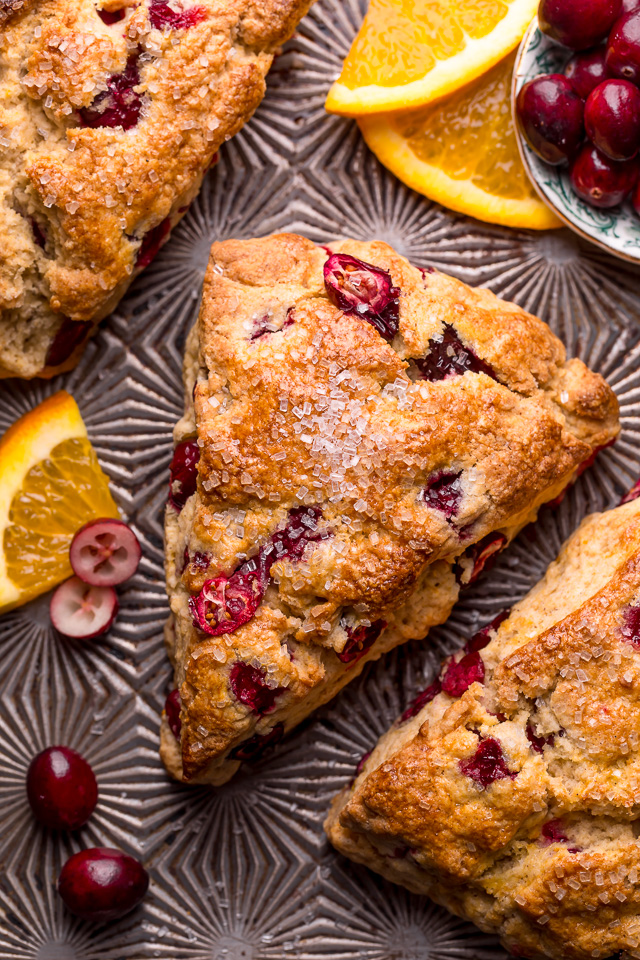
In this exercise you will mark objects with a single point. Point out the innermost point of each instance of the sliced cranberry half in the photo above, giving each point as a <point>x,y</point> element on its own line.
<point>119,105</point>
<point>362,289</point>
<point>444,493</point>
<point>633,494</point>
<point>172,708</point>
<point>460,674</point>
<point>360,640</point>
<point>184,473</point>
<point>70,335</point>
<point>482,555</point>
<point>81,611</point>
<point>254,748</point>
<point>487,764</point>
<point>538,743</point>
<point>422,699</point>
<point>449,357</point>
<point>105,553</point>
<point>553,831</point>
<point>61,788</point>
<point>151,243</point>
<point>163,16</point>
<point>102,884</point>
<point>249,687</point>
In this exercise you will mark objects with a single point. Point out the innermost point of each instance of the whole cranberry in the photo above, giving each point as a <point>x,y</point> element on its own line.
<point>61,788</point>
<point>586,70</point>
<point>101,884</point>
<point>623,48</point>
<point>551,117</point>
<point>578,23</point>
<point>612,118</point>
<point>600,181</point>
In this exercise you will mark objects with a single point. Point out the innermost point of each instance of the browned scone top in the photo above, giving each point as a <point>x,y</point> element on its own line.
<point>85,200</point>
<point>510,790</point>
<point>305,414</point>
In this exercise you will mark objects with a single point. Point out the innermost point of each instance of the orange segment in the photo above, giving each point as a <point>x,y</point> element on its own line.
<point>411,52</point>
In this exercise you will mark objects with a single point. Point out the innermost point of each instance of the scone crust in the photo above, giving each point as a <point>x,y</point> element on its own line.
<point>548,856</point>
<point>78,202</point>
<point>318,411</point>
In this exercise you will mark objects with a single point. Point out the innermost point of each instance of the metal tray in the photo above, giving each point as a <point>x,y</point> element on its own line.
<point>244,872</point>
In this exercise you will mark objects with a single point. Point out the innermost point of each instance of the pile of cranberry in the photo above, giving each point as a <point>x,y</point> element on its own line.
<point>589,116</point>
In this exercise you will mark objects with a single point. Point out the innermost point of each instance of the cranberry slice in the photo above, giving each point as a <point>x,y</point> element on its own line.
<point>483,555</point>
<point>449,357</point>
<point>360,640</point>
<point>482,638</point>
<point>460,674</point>
<point>254,748</point>
<point>61,788</point>
<point>421,700</point>
<point>444,493</point>
<point>631,625</point>
<point>538,743</point>
<point>248,686</point>
<point>553,832</point>
<point>112,16</point>
<point>102,884</point>
<point>162,16</point>
<point>105,553</point>
<point>633,494</point>
<point>70,335</point>
<point>184,473</point>
<point>358,287</point>
<point>119,105</point>
<point>151,243</point>
<point>172,708</point>
<point>82,611</point>
<point>487,764</point>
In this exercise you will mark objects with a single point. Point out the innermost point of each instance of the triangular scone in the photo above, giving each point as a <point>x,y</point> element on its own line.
<point>111,111</point>
<point>359,424</point>
<point>509,791</point>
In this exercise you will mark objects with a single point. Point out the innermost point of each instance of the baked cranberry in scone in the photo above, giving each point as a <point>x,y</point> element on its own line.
<point>514,780</point>
<point>368,437</point>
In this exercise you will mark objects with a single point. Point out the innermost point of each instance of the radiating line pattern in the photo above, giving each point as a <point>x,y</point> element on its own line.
<point>245,872</point>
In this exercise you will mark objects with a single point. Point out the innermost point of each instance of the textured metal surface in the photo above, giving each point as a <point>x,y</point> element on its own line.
<point>244,873</point>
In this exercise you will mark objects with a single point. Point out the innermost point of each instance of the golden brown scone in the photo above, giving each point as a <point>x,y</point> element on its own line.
<point>111,111</point>
<point>509,791</point>
<point>339,480</point>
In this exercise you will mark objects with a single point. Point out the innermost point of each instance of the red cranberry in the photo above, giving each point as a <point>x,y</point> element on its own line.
<point>70,335</point>
<point>119,105</point>
<point>101,884</point>
<point>550,114</point>
<point>248,686</point>
<point>578,23</point>
<point>553,832</point>
<point>184,473</point>
<point>358,287</point>
<point>172,707</point>
<point>631,625</point>
<point>586,70</point>
<point>448,357</point>
<point>62,788</point>
<point>162,16</point>
<point>538,743</point>
<point>151,243</point>
<point>112,16</point>
<point>444,493</point>
<point>600,181</point>
<point>592,457</point>
<point>460,674</point>
<point>634,493</point>
<point>265,325</point>
<point>483,555</point>
<point>482,638</point>
<point>623,48</point>
<point>422,699</point>
<point>487,764</point>
<point>360,640</point>
<point>612,118</point>
<point>254,748</point>
<point>361,762</point>
<point>630,6</point>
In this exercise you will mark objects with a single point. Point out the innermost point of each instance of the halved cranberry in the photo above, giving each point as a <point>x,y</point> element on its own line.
<point>255,747</point>
<point>172,707</point>
<point>184,473</point>
<point>119,105</point>
<point>358,287</point>
<point>79,610</point>
<point>538,743</point>
<point>112,16</point>
<point>631,625</point>
<point>422,699</point>
<point>151,243</point>
<point>487,764</point>
<point>248,686</point>
<point>162,16</point>
<point>483,555</point>
<point>105,552</point>
<point>70,335</point>
<point>460,674</point>
<point>480,639</point>
<point>444,493</point>
<point>61,788</point>
<point>360,640</point>
<point>449,357</point>
<point>633,494</point>
<point>102,884</point>
<point>553,832</point>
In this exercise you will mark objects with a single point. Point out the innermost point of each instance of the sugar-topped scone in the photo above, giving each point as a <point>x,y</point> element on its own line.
<point>359,437</point>
<point>509,791</point>
<point>111,111</point>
